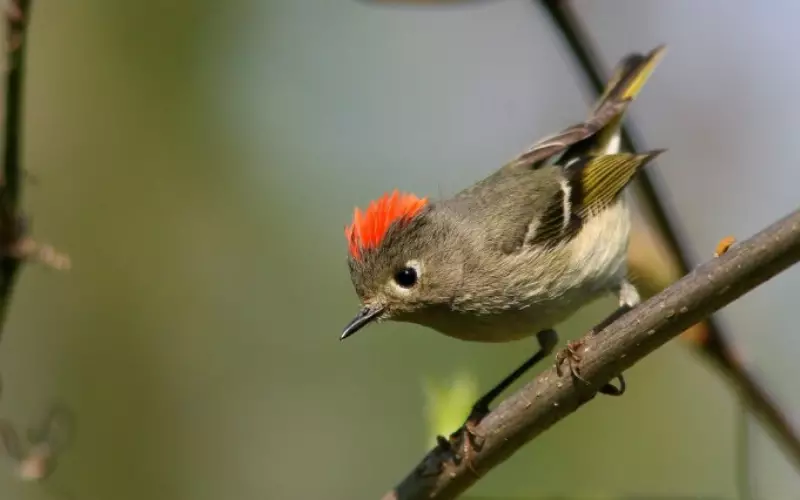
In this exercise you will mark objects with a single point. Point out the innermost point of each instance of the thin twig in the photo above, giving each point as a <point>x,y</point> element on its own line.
<point>549,398</point>
<point>714,346</point>
<point>17,34</point>
<point>36,460</point>
<point>17,16</point>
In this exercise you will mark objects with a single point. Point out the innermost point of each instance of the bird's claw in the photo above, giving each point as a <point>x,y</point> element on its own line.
<point>610,389</point>
<point>467,441</point>
<point>571,355</point>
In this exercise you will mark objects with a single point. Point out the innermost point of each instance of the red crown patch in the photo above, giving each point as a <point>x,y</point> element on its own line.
<point>368,228</point>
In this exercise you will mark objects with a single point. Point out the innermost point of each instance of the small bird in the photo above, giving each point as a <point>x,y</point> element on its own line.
<point>519,251</point>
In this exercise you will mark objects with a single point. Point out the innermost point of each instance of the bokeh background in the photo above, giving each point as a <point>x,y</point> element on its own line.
<point>199,159</point>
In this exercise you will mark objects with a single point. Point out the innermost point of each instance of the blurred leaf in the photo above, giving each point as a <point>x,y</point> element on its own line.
<point>652,268</point>
<point>447,405</point>
<point>651,265</point>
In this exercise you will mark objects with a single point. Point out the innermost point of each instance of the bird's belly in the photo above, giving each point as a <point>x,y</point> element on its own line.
<point>508,325</point>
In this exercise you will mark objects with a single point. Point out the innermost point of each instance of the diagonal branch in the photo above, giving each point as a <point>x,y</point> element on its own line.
<point>549,398</point>
<point>713,345</point>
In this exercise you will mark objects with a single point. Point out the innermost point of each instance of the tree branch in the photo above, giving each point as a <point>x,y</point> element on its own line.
<point>549,398</point>
<point>713,344</point>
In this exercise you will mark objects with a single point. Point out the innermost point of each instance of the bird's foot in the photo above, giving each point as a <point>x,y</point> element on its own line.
<point>571,355</point>
<point>573,358</point>
<point>610,389</point>
<point>467,441</point>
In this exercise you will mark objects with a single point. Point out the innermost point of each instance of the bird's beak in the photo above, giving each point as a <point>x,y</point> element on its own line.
<point>364,316</point>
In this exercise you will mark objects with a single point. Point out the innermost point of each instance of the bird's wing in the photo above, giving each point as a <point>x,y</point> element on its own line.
<point>552,147</point>
<point>589,185</point>
<point>543,195</point>
<point>521,208</point>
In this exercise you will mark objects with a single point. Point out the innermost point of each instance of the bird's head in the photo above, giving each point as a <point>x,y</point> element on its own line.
<point>405,259</point>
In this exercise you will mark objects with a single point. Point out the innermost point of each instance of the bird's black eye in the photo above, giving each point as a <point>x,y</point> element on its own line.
<point>406,277</point>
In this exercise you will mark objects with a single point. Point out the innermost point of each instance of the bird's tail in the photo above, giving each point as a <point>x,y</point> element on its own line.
<point>600,133</point>
<point>627,81</point>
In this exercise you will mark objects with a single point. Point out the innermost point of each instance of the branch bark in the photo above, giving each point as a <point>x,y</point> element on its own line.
<point>549,398</point>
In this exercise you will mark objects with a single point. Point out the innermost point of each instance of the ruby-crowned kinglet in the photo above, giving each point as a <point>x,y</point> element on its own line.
<point>519,251</point>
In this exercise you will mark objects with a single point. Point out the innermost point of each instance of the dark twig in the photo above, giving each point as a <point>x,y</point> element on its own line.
<point>549,398</point>
<point>713,346</point>
<point>37,459</point>
<point>17,15</point>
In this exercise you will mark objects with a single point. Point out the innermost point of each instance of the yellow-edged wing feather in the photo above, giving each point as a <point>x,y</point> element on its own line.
<point>601,179</point>
<point>590,185</point>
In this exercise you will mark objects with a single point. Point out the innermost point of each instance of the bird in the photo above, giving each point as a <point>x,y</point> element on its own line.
<point>517,252</point>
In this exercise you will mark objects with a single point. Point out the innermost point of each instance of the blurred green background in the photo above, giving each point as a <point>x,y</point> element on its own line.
<point>198,161</point>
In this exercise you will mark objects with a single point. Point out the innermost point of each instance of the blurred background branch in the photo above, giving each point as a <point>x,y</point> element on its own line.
<point>549,398</point>
<point>16,244</point>
<point>17,16</point>
<point>658,258</point>
<point>36,459</point>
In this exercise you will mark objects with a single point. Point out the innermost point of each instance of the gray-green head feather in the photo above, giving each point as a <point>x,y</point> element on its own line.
<point>418,263</point>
